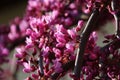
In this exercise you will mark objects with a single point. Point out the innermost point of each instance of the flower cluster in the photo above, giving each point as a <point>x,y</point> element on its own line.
<point>49,37</point>
<point>53,43</point>
<point>52,39</point>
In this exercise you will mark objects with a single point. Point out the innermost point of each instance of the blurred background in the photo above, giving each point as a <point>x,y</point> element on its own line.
<point>9,9</point>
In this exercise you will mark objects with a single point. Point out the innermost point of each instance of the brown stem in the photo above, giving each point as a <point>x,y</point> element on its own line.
<point>84,38</point>
<point>41,65</point>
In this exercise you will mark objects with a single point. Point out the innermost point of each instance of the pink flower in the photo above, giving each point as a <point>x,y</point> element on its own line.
<point>45,52</point>
<point>20,53</point>
<point>72,33</point>
<point>60,37</point>
<point>57,66</point>
<point>35,76</point>
<point>29,42</point>
<point>57,52</point>
<point>13,34</point>
<point>79,25</point>
<point>27,68</point>
<point>33,3</point>
<point>70,46</point>
<point>23,25</point>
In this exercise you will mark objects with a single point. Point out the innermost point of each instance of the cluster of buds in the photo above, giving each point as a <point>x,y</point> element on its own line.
<point>51,40</point>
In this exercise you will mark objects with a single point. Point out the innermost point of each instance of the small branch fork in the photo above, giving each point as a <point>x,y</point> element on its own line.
<point>93,20</point>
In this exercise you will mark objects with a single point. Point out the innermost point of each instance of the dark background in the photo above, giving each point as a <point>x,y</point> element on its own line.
<point>9,9</point>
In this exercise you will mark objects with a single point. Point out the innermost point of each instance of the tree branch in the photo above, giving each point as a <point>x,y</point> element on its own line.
<point>84,38</point>
<point>93,20</point>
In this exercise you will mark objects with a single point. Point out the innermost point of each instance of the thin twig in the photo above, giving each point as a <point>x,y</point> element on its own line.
<point>41,65</point>
<point>114,5</point>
